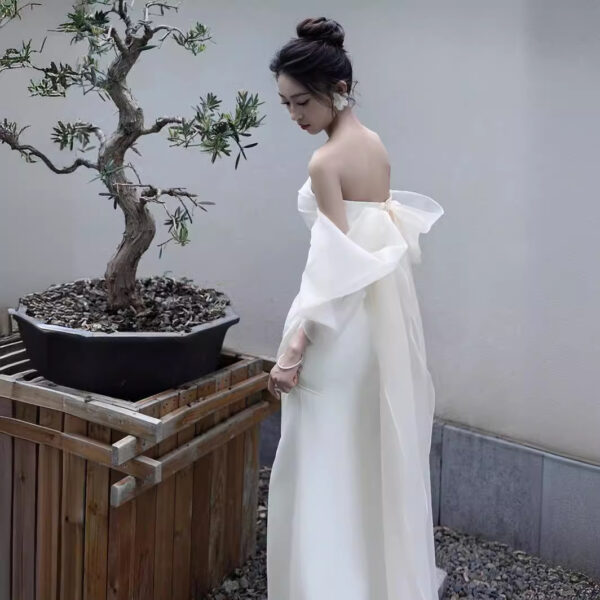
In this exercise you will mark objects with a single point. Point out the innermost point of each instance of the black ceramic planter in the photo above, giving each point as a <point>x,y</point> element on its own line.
<point>127,365</point>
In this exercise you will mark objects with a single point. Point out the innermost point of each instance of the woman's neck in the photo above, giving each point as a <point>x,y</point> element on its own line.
<point>343,120</point>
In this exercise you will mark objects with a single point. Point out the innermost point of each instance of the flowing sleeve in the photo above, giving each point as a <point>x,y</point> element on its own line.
<point>340,266</point>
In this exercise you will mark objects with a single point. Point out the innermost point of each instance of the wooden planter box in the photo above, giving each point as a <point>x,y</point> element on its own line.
<point>101,498</point>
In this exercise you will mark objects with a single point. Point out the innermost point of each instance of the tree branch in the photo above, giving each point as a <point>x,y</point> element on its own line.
<point>7,137</point>
<point>101,139</point>
<point>152,193</point>
<point>120,8</point>
<point>169,29</point>
<point>160,124</point>
<point>161,5</point>
<point>20,59</point>
<point>12,12</point>
<point>118,41</point>
<point>178,192</point>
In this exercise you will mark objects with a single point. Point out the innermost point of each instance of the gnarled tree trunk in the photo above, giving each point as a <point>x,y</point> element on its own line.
<point>140,227</point>
<point>121,270</point>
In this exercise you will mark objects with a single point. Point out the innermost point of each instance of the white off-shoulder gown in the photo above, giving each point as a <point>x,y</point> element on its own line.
<point>349,510</point>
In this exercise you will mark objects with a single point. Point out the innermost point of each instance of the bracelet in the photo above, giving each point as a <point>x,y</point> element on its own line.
<point>291,366</point>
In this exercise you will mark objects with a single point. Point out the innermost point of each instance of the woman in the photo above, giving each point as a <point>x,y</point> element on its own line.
<point>349,513</point>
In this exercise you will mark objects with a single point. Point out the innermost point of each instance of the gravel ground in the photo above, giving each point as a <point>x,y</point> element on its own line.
<point>477,569</point>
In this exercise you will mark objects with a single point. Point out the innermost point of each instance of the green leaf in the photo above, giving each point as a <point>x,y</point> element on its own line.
<point>66,134</point>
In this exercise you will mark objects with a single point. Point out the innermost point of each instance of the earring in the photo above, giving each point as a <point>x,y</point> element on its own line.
<point>340,100</point>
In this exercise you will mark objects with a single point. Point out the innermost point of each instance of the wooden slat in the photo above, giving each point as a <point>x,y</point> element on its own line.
<point>154,402</point>
<point>199,576</point>
<point>10,343</point>
<point>121,533</point>
<point>88,396</point>
<point>24,500</point>
<point>81,446</point>
<point>183,511</point>
<point>235,482</point>
<point>120,553</point>
<point>129,447</point>
<point>145,513</point>
<point>48,512</point>
<point>129,487</point>
<point>117,417</point>
<point>73,513</point>
<point>6,492</point>
<point>165,507</point>
<point>27,374</point>
<point>96,522</point>
<point>17,354</point>
<point>216,532</point>
<point>218,435</point>
<point>250,476</point>
<point>268,363</point>
<point>200,383</point>
<point>10,368</point>
<point>255,368</point>
<point>250,497</point>
<point>234,393</point>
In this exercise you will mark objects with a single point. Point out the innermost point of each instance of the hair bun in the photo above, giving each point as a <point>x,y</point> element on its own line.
<point>326,30</point>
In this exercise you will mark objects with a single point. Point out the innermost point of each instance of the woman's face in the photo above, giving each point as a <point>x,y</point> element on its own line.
<point>302,105</point>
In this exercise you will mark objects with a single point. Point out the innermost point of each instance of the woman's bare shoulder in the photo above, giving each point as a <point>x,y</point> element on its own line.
<point>342,144</point>
<point>377,139</point>
<point>340,151</point>
<point>326,156</point>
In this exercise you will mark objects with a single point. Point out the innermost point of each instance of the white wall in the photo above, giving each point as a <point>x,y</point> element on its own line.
<point>491,108</point>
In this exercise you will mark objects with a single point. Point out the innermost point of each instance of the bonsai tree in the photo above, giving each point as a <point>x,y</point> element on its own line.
<point>116,40</point>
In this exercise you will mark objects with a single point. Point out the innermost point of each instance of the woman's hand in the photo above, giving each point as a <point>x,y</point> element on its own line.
<point>284,379</point>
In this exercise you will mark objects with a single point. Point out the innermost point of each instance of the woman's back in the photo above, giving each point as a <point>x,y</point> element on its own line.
<point>362,161</point>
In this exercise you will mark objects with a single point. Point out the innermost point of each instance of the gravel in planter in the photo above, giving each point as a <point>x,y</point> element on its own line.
<point>477,569</point>
<point>174,305</point>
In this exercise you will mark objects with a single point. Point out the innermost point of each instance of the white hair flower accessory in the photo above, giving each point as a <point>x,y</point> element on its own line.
<point>340,100</point>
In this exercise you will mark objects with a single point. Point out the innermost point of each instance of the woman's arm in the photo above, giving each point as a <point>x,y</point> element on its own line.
<point>327,188</point>
<point>296,347</point>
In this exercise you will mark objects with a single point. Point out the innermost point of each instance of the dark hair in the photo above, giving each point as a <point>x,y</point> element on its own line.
<point>316,58</point>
